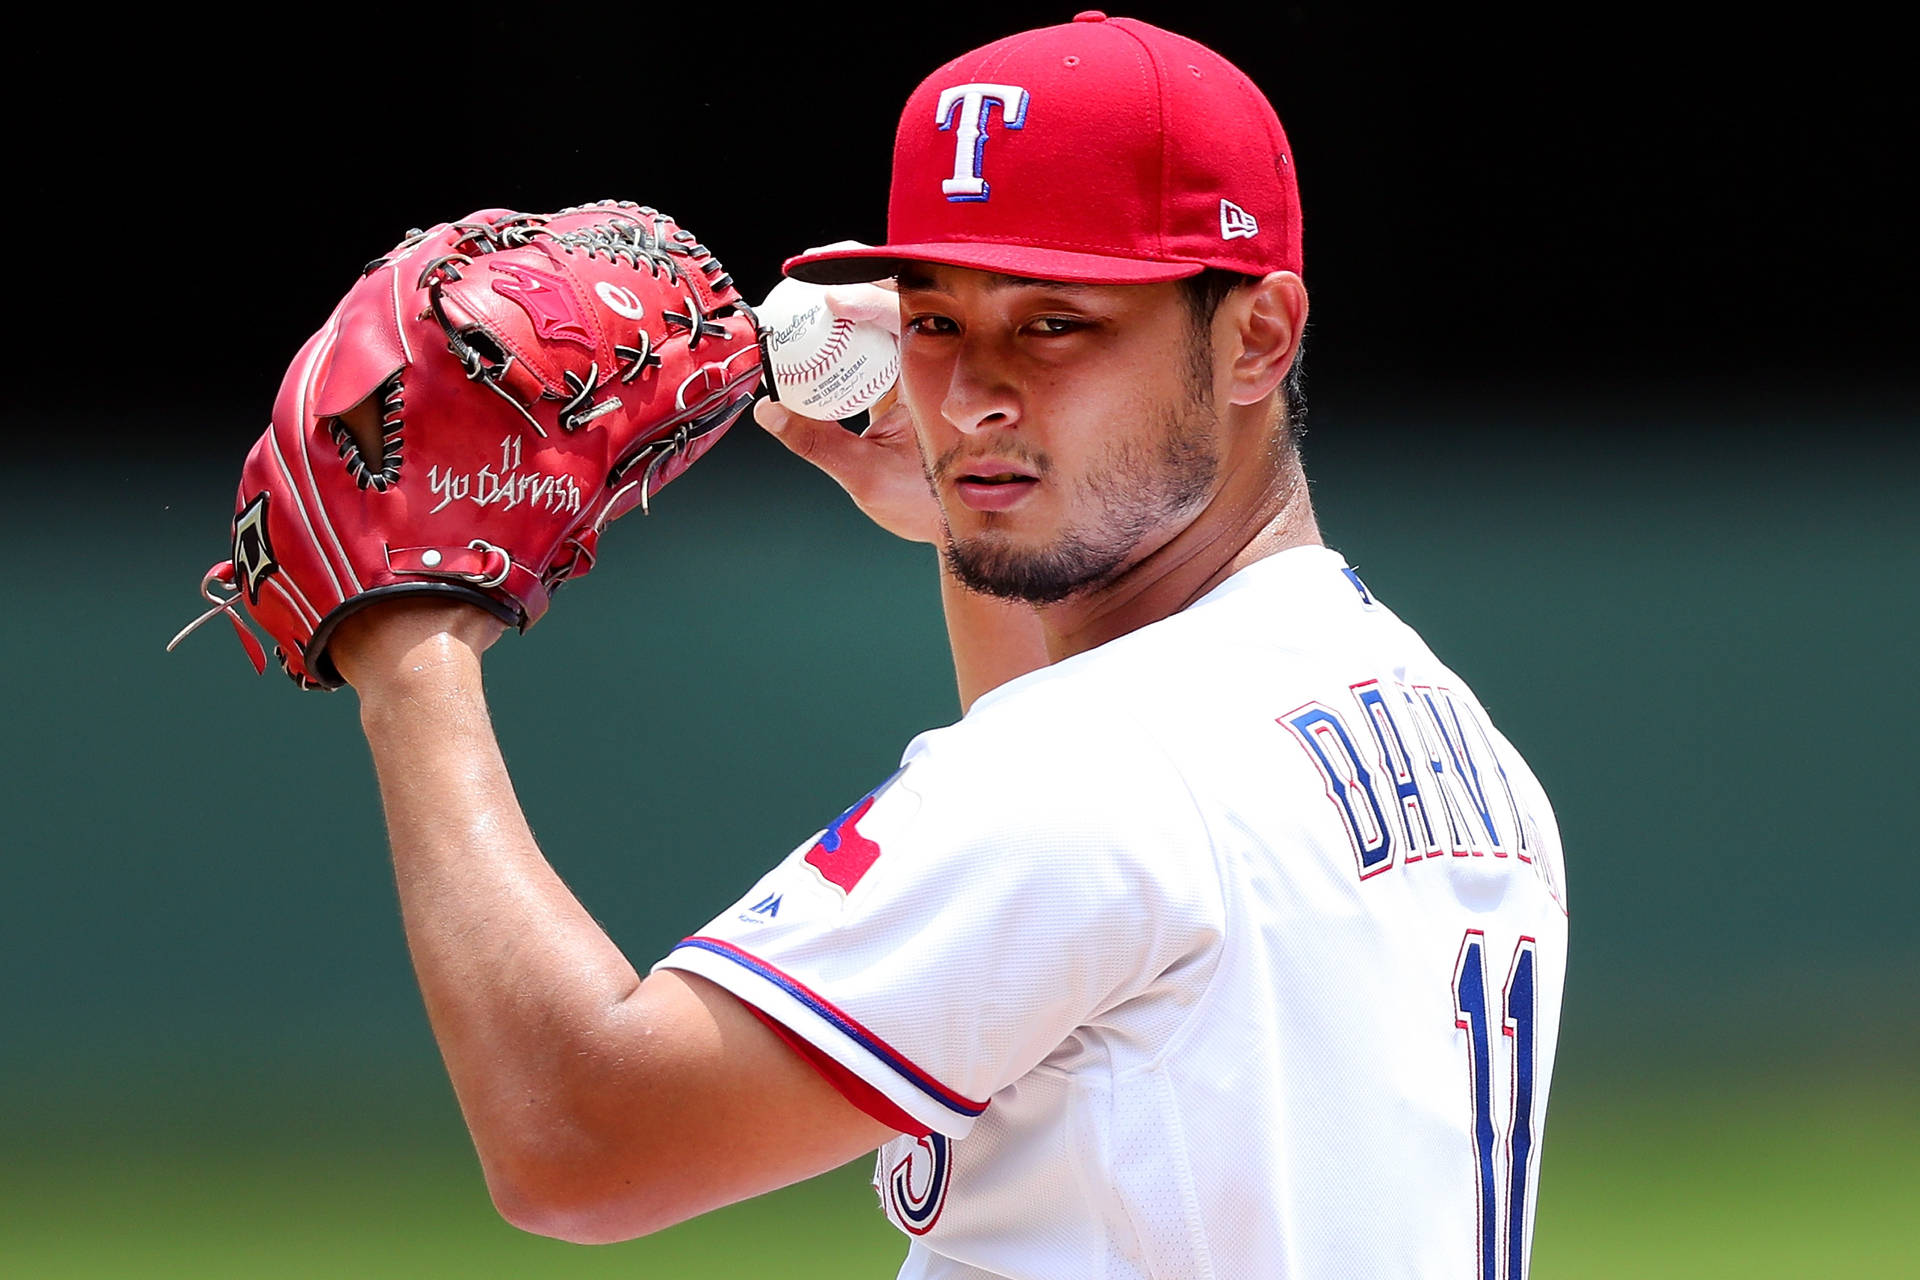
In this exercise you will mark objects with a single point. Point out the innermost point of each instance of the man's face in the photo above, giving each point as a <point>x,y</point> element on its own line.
<point>1067,430</point>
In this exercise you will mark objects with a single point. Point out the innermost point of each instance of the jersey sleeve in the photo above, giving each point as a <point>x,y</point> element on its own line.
<point>957,924</point>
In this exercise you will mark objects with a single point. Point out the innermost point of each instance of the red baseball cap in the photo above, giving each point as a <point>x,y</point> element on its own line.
<point>1100,151</point>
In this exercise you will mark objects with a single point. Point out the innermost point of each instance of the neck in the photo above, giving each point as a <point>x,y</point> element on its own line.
<point>1268,514</point>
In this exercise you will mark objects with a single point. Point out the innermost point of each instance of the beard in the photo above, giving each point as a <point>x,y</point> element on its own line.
<point>1137,486</point>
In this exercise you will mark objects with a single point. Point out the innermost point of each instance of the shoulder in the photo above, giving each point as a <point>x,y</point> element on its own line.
<point>1058,752</point>
<point>1051,792</point>
<point>1081,735</point>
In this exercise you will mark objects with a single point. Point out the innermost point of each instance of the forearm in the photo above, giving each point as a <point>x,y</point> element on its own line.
<point>601,1107</point>
<point>993,640</point>
<point>515,974</point>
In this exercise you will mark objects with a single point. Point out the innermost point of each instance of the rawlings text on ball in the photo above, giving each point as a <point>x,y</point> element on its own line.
<point>824,366</point>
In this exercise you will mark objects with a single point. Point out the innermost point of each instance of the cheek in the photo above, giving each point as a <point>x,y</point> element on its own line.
<point>1099,415</point>
<point>924,376</point>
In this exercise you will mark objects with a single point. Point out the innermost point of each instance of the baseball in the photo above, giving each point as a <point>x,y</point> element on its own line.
<point>824,366</point>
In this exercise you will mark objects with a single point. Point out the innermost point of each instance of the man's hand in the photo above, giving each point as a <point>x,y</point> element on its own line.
<point>880,468</point>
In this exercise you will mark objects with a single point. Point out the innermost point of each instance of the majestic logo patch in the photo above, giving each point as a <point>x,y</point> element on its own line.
<point>963,110</point>
<point>252,552</point>
<point>1236,223</point>
<point>917,1184</point>
<point>546,299</point>
<point>768,906</point>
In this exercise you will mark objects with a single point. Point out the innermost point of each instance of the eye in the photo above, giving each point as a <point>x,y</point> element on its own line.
<point>1056,326</point>
<point>930,325</point>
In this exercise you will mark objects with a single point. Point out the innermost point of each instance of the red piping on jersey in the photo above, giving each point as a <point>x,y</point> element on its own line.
<point>850,1086</point>
<point>849,1025</point>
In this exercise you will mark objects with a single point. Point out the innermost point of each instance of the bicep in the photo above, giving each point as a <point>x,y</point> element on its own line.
<point>691,1103</point>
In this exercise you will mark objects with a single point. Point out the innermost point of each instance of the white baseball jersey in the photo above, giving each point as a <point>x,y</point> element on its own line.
<point>1231,948</point>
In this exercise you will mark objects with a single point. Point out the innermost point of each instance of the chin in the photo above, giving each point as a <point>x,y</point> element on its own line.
<point>995,566</point>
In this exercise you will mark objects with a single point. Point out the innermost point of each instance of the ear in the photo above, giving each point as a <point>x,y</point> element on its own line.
<point>1267,320</point>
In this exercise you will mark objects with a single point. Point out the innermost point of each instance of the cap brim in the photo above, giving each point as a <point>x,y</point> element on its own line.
<point>877,262</point>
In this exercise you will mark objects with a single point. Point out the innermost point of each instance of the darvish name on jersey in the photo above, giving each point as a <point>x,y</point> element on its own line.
<point>1249,967</point>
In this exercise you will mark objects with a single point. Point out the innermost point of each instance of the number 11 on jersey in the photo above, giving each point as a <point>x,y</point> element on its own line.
<point>1501,1254</point>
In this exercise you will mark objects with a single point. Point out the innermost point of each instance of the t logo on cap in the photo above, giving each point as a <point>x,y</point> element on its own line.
<point>971,102</point>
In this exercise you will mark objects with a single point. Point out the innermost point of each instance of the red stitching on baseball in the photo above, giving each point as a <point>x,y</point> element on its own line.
<point>838,340</point>
<point>869,391</point>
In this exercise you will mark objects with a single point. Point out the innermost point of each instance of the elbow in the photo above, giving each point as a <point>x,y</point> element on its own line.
<point>571,1215</point>
<point>557,1167</point>
<point>578,1198</point>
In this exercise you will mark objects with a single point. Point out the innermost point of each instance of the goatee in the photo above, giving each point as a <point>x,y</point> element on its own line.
<point>1136,488</point>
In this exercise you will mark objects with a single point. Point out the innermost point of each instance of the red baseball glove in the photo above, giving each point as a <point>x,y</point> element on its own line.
<point>489,395</point>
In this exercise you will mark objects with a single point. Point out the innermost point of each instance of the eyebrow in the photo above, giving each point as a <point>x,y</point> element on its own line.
<point>921,279</point>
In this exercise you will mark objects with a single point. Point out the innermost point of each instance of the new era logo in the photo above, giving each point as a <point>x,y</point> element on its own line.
<point>1236,223</point>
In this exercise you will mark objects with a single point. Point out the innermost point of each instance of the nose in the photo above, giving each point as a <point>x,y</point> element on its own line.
<point>979,397</point>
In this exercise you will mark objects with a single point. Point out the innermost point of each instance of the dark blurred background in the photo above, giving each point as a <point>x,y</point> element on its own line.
<point>1612,396</point>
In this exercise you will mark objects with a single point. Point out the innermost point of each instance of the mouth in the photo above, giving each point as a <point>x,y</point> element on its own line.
<point>993,486</point>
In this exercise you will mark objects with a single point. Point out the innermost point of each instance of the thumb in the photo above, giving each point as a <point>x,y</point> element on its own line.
<point>827,445</point>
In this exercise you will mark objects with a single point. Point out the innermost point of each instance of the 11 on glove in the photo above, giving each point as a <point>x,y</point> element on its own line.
<point>490,394</point>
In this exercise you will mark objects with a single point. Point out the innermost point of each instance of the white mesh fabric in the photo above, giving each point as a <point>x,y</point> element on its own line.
<point>1119,905</point>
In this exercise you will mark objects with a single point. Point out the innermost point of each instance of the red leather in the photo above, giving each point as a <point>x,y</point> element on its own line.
<point>318,534</point>
<point>373,350</point>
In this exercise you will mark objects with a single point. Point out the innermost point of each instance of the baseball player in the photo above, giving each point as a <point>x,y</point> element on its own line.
<point>1224,935</point>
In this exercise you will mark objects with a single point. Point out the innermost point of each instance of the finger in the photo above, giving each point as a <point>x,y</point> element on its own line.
<point>839,244</point>
<point>772,415</point>
<point>884,405</point>
<point>865,304</point>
